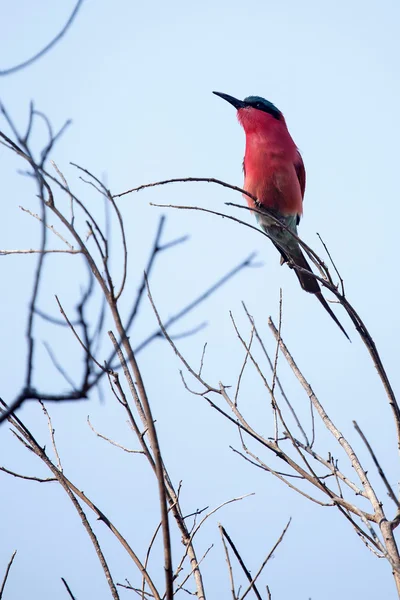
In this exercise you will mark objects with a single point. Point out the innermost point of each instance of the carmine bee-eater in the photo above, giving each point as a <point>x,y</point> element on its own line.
<point>274,173</point>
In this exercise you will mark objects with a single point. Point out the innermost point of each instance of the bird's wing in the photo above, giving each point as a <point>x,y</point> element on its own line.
<point>300,172</point>
<point>301,176</point>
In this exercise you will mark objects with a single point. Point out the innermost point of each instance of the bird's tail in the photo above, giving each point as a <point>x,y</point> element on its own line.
<point>307,282</point>
<point>332,314</point>
<point>310,284</point>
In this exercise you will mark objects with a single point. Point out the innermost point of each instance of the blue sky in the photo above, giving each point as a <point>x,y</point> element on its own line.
<point>136,80</point>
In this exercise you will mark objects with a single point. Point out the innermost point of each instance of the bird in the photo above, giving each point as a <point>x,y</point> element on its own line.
<point>274,174</point>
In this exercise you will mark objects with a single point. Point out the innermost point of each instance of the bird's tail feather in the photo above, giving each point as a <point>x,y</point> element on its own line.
<point>307,282</point>
<point>310,284</point>
<point>331,313</point>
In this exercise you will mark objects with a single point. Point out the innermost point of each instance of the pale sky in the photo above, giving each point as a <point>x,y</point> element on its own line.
<point>136,80</point>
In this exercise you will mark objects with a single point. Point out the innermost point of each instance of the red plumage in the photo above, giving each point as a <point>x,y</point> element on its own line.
<point>274,169</point>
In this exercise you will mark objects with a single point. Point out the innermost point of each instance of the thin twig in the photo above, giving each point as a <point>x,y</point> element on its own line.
<point>112,442</point>
<point>202,358</point>
<point>259,463</point>
<point>187,180</point>
<point>52,435</point>
<point>274,371</point>
<point>246,356</point>
<point>284,396</point>
<point>51,228</point>
<point>213,511</point>
<point>240,560</point>
<point>333,468</point>
<point>32,251</point>
<point>28,477</point>
<point>55,362</point>
<point>3,585</point>
<point>251,586</point>
<point>77,336</point>
<point>48,47</point>
<point>68,589</point>
<point>193,569</point>
<point>108,195</point>
<point>228,562</point>
<point>381,472</point>
<point>333,264</point>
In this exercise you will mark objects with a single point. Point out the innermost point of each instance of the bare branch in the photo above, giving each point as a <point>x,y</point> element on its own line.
<point>213,511</point>
<point>73,491</point>
<point>52,432</point>
<point>202,358</point>
<point>333,264</point>
<point>163,330</point>
<point>68,589</point>
<point>326,420</point>
<point>244,425</point>
<point>52,229</point>
<point>228,562</point>
<point>103,437</point>
<point>251,586</point>
<point>333,468</point>
<point>29,478</point>
<point>259,463</point>
<point>57,365</point>
<point>194,568</point>
<point>108,195</point>
<point>284,396</point>
<point>48,47</point>
<point>77,336</point>
<point>241,563</point>
<point>31,251</point>
<point>377,464</point>
<point>246,356</point>
<point>3,585</point>
<point>187,180</point>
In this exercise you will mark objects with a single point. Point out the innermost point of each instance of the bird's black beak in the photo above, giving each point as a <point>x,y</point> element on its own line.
<point>236,103</point>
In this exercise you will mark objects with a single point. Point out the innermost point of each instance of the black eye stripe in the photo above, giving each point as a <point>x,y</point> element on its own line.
<point>271,111</point>
<point>264,105</point>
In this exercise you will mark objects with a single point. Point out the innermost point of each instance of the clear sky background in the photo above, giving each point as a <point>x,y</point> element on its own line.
<point>136,80</point>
